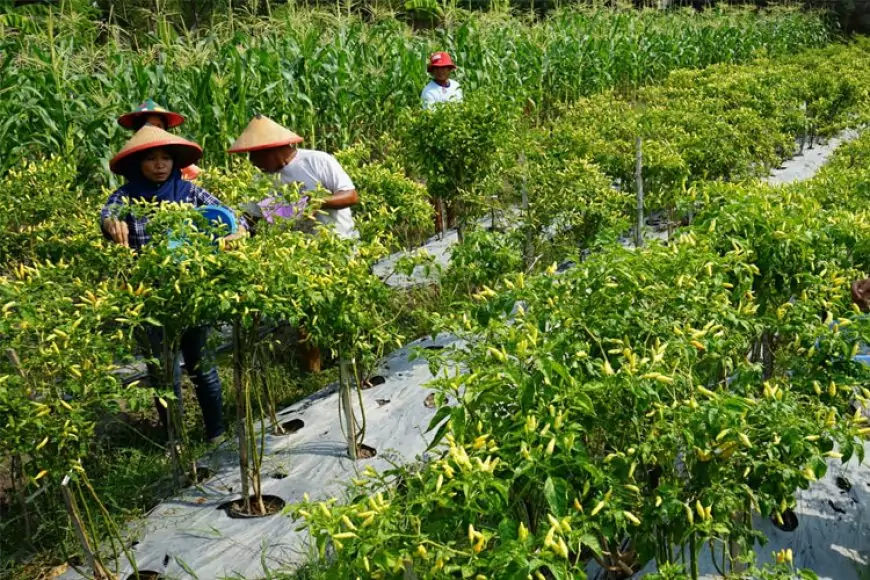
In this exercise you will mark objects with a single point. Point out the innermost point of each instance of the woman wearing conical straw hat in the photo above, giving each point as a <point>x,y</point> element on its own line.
<point>273,149</point>
<point>151,162</point>
<point>150,113</point>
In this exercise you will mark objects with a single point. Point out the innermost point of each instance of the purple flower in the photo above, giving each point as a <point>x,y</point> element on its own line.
<point>274,207</point>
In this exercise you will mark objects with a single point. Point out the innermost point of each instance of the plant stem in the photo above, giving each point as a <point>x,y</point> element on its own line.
<point>638,179</point>
<point>79,528</point>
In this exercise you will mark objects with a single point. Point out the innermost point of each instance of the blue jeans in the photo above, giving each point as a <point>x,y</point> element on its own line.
<point>201,370</point>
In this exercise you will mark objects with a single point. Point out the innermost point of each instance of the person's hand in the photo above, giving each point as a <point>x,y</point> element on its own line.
<point>228,241</point>
<point>861,294</point>
<point>118,231</point>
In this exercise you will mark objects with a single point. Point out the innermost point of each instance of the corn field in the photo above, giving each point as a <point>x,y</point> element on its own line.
<point>339,80</point>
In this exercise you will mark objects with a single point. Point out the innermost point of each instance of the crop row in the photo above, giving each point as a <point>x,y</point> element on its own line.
<point>576,179</point>
<point>643,401</point>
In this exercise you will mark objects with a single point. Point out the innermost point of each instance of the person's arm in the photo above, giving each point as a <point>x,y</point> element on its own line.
<point>203,197</point>
<point>341,199</point>
<point>861,294</point>
<point>112,226</point>
<point>337,181</point>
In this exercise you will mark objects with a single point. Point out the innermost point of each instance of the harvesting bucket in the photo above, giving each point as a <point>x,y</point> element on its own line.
<point>217,215</point>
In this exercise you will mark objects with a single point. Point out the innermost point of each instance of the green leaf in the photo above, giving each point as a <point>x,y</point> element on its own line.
<point>556,494</point>
<point>507,529</point>
<point>439,416</point>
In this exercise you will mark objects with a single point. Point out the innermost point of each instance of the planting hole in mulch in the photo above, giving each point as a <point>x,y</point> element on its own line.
<point>843,483</point>
<point>435,347</point>
<point>202,473</point>
<point>429,403</point>
<point>374,381</point>
<point>789,521</point>
<point>382,402</point>
<point>363,451</point>
<point>236,508</point>
<point>279,475</point>
<point>290,427</point>
<point>145,575</point>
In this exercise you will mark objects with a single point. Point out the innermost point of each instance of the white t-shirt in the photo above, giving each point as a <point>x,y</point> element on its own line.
<point>310,168</point>
<point>435,93</point>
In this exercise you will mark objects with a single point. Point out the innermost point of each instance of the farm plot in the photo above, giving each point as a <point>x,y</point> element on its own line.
<point>642,401</point>
<point>724,384</point>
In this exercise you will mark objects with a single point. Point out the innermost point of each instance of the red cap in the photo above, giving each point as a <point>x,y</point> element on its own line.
<point>440,59</point>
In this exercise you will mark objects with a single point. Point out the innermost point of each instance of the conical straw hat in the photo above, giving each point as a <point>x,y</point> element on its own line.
<point>263,133</point>
<point>148,108</point>
<point>183,152</point>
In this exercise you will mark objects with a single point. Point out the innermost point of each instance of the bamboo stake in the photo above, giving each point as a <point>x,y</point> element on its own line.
<point>439,204</point>
<point>638,178</point>
<point>528,247</point>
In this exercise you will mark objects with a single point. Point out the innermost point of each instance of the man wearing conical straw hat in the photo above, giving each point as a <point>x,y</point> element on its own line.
<point>273,149</point>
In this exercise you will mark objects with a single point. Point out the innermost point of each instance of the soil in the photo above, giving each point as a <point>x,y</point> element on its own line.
<point>145,575</point>
<point>202,474</point>
<point>289,427</point>
<point>5,484</point>
<point>363,451</point>
<point>236,508</point>
<point>789,521</point>
<point>374,381</point>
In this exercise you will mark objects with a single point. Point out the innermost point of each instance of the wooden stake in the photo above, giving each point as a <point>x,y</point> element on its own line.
<point>737,566</point>
<point>528,247</point>
<point>172,413</point>
<point>638,179</point>
<point>347,407</point>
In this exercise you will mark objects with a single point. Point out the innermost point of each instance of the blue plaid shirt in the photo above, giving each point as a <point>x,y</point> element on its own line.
<point>139,235</point>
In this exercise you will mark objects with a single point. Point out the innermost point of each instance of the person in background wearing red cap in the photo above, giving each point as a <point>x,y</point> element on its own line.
<point>151,163</point>
<point>150,113</point>
<point>441,89</point>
